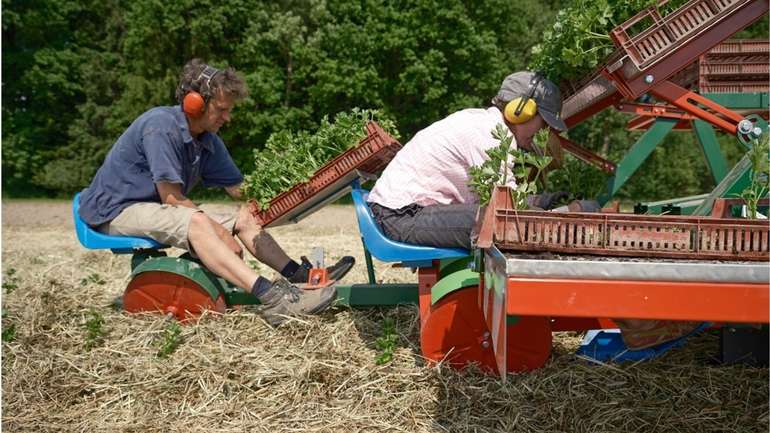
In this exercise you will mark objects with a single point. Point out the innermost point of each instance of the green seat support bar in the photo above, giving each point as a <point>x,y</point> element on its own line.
<point>373,295</point>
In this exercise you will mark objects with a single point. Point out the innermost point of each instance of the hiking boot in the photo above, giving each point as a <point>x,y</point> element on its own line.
<point>284,299</point>
<point>335,271</point>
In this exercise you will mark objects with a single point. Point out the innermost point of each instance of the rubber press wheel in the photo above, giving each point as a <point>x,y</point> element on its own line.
<point>456,332</point>
<point>169,293</point>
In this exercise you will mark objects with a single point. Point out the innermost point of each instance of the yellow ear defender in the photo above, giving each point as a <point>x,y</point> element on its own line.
<point>517,115</point>
<point>522,109</point>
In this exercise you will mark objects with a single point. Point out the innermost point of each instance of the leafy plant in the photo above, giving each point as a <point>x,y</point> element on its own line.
<point>11,281</point>
<point>495,170</point>
<point>9,332</point>
<point>95,331</point>
<point>386,343</point>
<point>93,279</point>
<point>290,158</point>
<point>579,179</point>
<point>540,141</point>
<point>9,329</point>
<point>579,39</point>
<point>172,338</point>
<point>505,161</point>
<point>759,174</point>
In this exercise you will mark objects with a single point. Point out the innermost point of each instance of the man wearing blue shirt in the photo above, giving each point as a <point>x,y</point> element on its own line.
<point>141,190</point>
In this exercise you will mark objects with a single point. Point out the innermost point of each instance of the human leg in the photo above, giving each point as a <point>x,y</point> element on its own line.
<point>215,253</point>
<point>195,231</point>
<point>279,299</point>
<point>259,242</point>
<point>188,229</point>
<point>444,226</point>
<point>265,249</point>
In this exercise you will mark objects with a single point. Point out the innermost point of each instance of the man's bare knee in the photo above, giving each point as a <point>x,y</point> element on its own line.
<point>200,224</point>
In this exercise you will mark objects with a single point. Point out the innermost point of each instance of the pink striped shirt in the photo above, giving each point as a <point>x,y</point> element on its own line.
<point>432,168</point>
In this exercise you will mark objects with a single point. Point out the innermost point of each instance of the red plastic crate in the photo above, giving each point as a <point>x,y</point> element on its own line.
<point>734,87</point>
<point>736,66</point>
<point>370,155</point>
<point>735,69</point>
<point>741,46</point>
<point>667,34</point>
<point>661,236</point>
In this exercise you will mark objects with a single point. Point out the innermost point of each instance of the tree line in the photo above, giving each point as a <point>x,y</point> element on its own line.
<point>77,73</point>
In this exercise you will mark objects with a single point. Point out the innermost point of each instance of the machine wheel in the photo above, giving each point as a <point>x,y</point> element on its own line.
<point>455,332</point>
<point>168,292</point>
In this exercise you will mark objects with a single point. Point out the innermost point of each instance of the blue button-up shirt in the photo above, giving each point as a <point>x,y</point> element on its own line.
<point>157,147</point>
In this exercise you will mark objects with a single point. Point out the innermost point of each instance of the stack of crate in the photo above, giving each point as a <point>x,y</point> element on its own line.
<point>370,155</point>
<point>736,66</point>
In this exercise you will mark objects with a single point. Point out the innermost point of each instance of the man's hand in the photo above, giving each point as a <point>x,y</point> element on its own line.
<point>235,191</point>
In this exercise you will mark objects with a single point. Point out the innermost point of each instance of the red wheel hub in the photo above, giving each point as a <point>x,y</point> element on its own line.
<point>455,332</point>
<point>169,293</point>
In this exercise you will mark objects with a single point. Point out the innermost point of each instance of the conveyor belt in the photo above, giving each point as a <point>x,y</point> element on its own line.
<point>596,90</point>
<point>585,268</point>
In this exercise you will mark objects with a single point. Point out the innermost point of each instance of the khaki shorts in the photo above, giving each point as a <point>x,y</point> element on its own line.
<point>164,223</point>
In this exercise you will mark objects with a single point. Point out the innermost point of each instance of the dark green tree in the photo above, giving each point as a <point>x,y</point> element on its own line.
<point>77,73</point>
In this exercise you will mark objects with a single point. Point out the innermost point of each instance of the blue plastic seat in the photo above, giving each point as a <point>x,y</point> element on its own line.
<point>386,249</point>
<point>94,240</point>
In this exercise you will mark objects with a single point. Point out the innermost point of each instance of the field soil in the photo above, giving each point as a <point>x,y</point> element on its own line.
<point>72,362</point>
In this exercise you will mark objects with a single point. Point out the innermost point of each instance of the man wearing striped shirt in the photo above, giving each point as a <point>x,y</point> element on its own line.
<point>423,196</point>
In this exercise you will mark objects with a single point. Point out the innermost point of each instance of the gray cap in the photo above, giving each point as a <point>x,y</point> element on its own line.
<point>546,95</point>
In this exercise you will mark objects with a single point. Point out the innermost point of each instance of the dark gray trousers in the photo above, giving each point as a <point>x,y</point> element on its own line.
<point>445,226</point>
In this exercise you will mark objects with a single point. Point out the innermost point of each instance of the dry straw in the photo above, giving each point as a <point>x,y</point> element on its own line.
<point>234,373</point>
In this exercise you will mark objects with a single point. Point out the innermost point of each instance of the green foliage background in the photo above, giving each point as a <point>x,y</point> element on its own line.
<point>76,73</point>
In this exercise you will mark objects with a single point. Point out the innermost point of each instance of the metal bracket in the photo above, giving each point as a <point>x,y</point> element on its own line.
<point>317,257</point>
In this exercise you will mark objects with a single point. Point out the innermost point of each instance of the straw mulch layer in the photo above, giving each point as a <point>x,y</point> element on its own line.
<point>235,373</point>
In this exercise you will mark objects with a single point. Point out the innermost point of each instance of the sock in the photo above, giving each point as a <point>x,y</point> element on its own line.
<point>261,286</point>
<point>290,269</point>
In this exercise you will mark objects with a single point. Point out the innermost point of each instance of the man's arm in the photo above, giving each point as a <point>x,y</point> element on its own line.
<point>171,193</point>
<point>235,191</point>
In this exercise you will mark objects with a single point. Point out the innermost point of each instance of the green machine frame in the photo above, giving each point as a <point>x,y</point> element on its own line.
<point>454,274</point>
<point>729,182</point>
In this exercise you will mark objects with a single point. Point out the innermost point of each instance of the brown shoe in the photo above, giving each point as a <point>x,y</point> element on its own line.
<point>284,300</point>
<point>642,334</point>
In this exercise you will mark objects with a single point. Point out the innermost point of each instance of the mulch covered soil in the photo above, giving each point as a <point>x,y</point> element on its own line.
<point>71,362</point>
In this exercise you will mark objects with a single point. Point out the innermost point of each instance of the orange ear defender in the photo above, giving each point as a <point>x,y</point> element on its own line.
<point>522,109</point>
<point>194,103</point>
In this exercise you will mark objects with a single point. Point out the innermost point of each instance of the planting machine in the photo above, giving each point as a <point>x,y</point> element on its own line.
<point>498,305</point>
